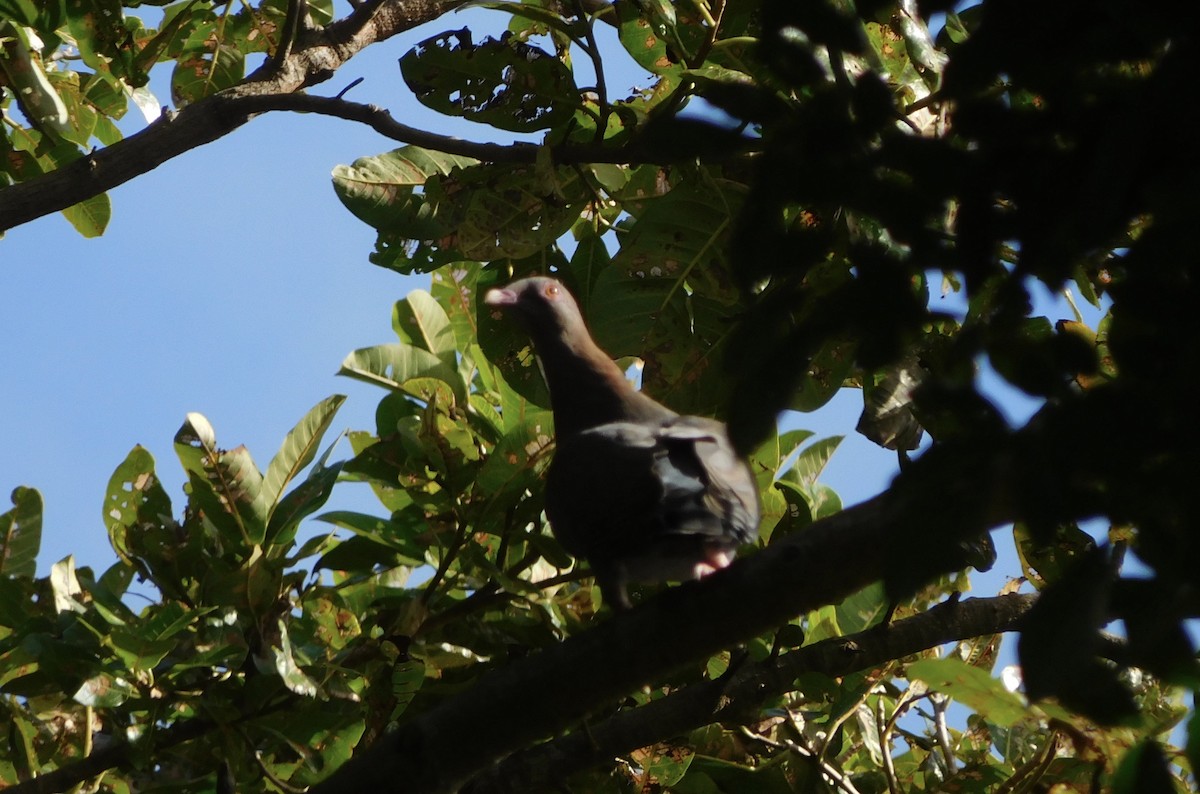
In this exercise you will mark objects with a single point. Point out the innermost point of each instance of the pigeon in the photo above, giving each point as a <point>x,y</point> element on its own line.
<point>639,491</point>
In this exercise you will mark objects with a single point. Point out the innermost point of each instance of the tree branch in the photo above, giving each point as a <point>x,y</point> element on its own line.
<point>314,57</point>
<point>381,121</point>
<point>121,753</point>
<point>543,766</point>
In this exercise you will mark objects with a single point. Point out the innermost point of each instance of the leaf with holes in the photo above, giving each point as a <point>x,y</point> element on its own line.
<point>507,83</point>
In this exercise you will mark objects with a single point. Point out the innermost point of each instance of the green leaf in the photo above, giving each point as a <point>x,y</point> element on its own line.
<point>65,586</point>
<point>104,691</point>
<point>1044,560</point>
<point>514,213</point>
<point>301,502</point>
<point>195,443</point>
<point>813,460</point>
<point>668,767</point>
<point>389,534</point>
<point>227,483</point>
<point>589,260</point>
<point>633,307</point>
<point>955,29</point>
<point>514,463</point>
<point>238,481</point>
<point>20,662</point>
<point>824,376</point>
<point>140,652</point>
<point>407,677</point>
<point>137,511</point>
<point>821,500</point>
<point>508,83</point>
<point>323,735</point>
<point>90,217</point>
<point>102,32</point>
<point>970,686</point>
<point>21,533</point>
<point>299,448</point>
<point>23,11</point>
<point>21,62</point>
<point>1143,770</point>
<point>336,625</point>
<point>378,190</point>
<point>646,40</point>
<point>199,73</point>
<point>394,366</point>
<point>766,463</point>
<point>453,287</point>
<point>285,664</point>
<point>421,322</point>
<point>684,236</point>
<point>359,555</point>
<point>863,609</point>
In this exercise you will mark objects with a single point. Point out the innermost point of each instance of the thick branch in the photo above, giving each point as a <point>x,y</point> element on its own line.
<point>314,58</point>
<point>553,689</point>
<point>542,767</point>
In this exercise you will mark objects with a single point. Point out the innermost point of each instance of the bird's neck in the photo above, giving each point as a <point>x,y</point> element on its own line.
<point>588,389</point>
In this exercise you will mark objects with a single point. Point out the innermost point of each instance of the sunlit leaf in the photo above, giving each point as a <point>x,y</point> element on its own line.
<point>299,448</point>
<point>286,666</point>
<point>21,533</point>
<point>65,586</point>
<point>971,686</point>
<point>379,189</point>
<point>395,365</point>
<point>104,691</point>
<point>90,217</point>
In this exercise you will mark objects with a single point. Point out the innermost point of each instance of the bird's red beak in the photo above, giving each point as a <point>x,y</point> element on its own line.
<point>500,297</point>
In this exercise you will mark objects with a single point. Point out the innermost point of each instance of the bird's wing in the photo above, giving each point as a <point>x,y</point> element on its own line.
<point>617,489</point>
<point>601,491</point>
<point>701,448</point>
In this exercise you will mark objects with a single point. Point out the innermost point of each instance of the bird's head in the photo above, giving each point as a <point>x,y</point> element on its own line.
<point>543,305</point>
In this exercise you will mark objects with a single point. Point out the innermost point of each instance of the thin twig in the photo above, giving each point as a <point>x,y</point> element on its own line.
<point>885,748</point>
<point>850,712</point>
<point>593,51</point>
<point>341,94</point>
<point>940,702</point>
<point>382,122</point>
<point>296,10</point>
<point>830,772</point>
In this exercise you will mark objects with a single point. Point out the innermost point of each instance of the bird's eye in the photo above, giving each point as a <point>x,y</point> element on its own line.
<point>551,291</point>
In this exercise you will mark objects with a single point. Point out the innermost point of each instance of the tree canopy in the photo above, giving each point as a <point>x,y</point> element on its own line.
<point>768,224</point>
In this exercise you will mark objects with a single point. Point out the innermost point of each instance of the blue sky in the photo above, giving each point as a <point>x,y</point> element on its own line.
<point>232,282</point>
